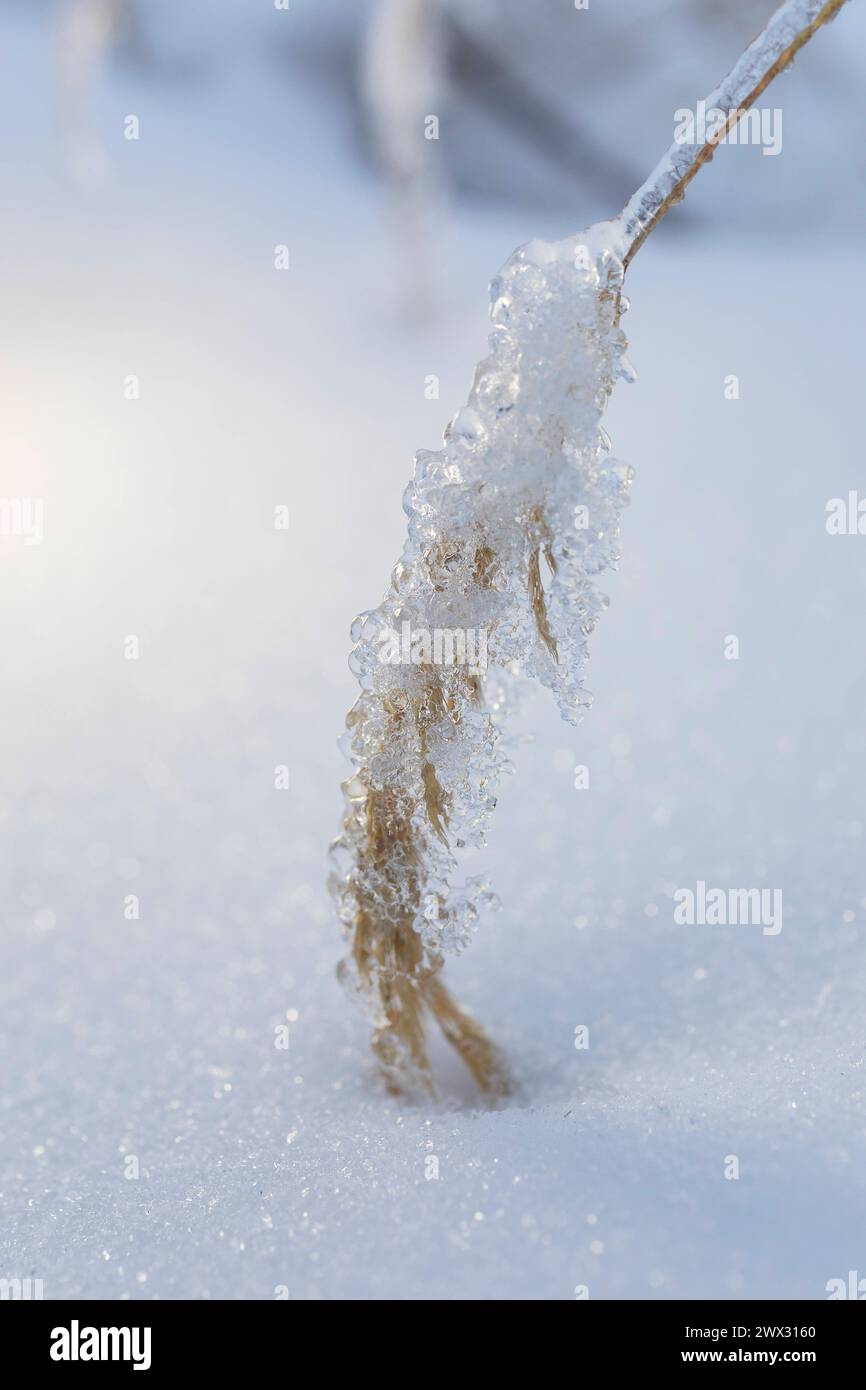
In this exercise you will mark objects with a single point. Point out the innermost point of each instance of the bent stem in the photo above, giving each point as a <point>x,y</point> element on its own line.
<point>388,954</point>
<point>775,48</point>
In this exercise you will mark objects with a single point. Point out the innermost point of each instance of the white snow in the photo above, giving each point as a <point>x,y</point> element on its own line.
<point>262,1169</point>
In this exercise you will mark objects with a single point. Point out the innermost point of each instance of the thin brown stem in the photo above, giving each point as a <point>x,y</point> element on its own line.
<point>789,30</point>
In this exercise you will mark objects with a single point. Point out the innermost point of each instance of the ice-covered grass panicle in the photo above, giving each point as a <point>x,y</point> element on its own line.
<point>509,523</point>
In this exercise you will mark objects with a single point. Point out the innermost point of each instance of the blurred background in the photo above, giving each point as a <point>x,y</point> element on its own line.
<point>165,388</point>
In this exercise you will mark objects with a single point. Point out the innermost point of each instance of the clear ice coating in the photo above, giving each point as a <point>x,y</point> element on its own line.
<point>510,522</point>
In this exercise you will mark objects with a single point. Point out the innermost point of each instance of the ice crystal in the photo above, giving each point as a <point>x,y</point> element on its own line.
<point>509,524</point>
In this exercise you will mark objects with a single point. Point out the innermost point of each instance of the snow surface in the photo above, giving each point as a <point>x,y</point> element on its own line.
<point>263,1169</point>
